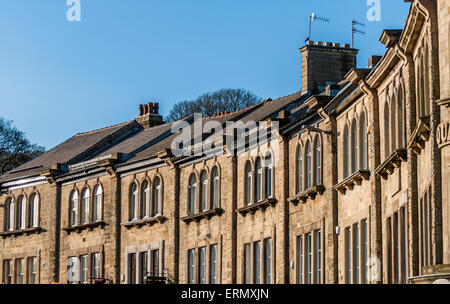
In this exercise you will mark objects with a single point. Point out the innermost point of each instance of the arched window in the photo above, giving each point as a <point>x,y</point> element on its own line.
<point>98,203</point>
<point>9,214</point>
<point>21,213</point>
<point>387,146</point>
<point>145,199</point>
<point>33,211</point>
<point>354,147</point>
<point>269,175</point>
<point>317,162</point>
<point>74,208</point>
<point>345,153</point>
<point>426,82</point>
<point>215,189</point>
<point>134,203</point>
<point>308,165</point>
<point>393,127</point>
<point>85,207</point>
<point>248,183</point>
<point>192,194</point>
<point>204,191</point>
<point>258,180</point>
<point>363,142</point>
<point>157,197</point>
<point>299,170</point>
<point>401,120</point>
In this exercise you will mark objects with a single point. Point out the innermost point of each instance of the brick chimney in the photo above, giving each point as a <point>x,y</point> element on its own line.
<point>325,63</point>
<point>149,115</point>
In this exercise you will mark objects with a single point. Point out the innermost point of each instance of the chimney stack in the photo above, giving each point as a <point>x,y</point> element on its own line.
<point>325,63</point>
<point>149,115</point>
<point>373,61</point>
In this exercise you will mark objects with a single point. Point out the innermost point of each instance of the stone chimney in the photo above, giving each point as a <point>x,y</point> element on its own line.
<point>325,63</point>
<point>149,115</point>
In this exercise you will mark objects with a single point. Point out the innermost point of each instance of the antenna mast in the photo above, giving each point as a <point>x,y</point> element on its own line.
<point>355,23</point>
<point>312,18</point>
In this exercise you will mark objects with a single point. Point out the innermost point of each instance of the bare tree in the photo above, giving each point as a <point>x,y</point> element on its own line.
<point>225,100</point>
<point>15,148</point>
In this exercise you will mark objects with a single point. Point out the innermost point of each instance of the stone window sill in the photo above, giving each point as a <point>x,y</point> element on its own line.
<point>16,233</point>
<point>262,205</point>
<point>81,227</point>
<point>206,214</point>
<point>350,182</point>
<point>146,221</point>
<point>420,135</point>
<point>310,193</point>
<point>392,162</point>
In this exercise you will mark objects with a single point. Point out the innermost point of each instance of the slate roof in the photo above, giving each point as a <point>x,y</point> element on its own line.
<point>72,150</point>
<point>135,142</point>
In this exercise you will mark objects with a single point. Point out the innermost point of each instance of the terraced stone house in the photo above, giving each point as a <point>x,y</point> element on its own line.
<point>345,181</point>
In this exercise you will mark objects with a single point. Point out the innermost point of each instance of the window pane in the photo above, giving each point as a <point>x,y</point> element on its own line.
<point>95,266</point>
<point>258,181</point>
<point>145,200</point>
<point>300,171</point>
<point>269,169</point>
<point>192,195</point>
<point>213,265</point>
<point>155,263</point>
<point>248,184</point>
<point>308,166</point>
<point>84,269</point>
<point>356,254</point>
<point>268,261</point>
<point>132,268</point>
<point>143,260</point>
<point>300,260</point>
<point>191,266</point>
<point>20,275</point>
<point>98,201</point>
<point>202,265</point>
<point>247,263</point>
<point>204,185</point>
<point>215,188</point>
<point>309,259</point>
<point>72,270</point>
<point>32,270</point>
<point>318,263</point>
<point>317,162</point>
<point>364,252</point>
<point>86,206</point>
<point>74,209</point>
<point>348,256</point>
<point>7,271</point>
<point>257,259</point>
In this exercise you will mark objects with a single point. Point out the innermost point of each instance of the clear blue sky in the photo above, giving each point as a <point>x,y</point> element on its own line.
<point>58,78</point>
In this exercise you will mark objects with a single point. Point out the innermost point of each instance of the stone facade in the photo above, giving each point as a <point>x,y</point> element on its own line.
<point>352,186</point>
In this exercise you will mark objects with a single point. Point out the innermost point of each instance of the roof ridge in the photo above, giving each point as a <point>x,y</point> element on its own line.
<point>103,129</point>
<point>292,94</point>
<point>224,113</point>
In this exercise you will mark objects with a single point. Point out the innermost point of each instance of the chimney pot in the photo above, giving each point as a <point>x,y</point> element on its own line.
<point>310,42</point>
<point>320,43</point>
<point>337,44</point>
<point>141,110</point>
<point>328,44</point>
<point>346,45</point>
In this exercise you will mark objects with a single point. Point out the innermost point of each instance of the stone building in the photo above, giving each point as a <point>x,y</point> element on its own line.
<point>345,181</point>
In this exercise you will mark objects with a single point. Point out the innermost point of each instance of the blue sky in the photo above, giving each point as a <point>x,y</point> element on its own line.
<point>58,78</point>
